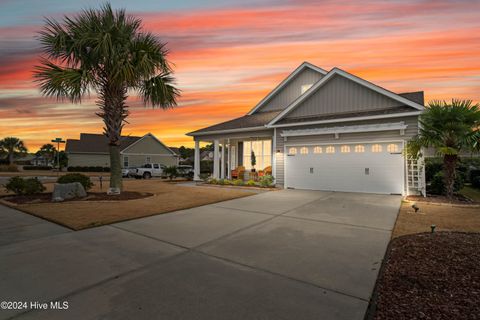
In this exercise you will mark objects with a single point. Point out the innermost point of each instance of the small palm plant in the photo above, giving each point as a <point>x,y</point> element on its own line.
<point>253,160</point>
<point>12,147</point>
<point>449,128</point>
<point>105,51</point>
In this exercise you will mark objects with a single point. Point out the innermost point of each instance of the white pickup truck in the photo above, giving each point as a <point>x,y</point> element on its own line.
<point>147,171</point>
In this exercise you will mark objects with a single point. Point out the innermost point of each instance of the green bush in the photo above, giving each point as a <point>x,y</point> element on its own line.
<point>171,172</point>
<point>432,167</point>
<point>204,176</point>
<point>212,181</point>
<point>88,169</point>
<point>437,185</point>
<point>9,168</point>
<point>474,173</point>
<point>237,182</point>
<point>76,177</point>
<point>22,186</point>
<point>266,181</point>
<point>251,183</point>
<point>221,182</point>
<point>476,182</point>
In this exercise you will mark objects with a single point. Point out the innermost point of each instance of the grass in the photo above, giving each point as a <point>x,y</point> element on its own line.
<point>471,193</point>
<point>444,217</point>
<point>167,197</point>
<point>48,173</point>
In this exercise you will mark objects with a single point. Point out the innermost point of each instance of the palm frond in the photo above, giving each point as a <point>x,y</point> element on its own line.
<point>160,91</point>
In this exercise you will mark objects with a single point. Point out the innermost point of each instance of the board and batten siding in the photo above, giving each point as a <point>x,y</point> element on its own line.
<point>340,95</point>
<point>291,91</point>
<point>139,160</point>
<point>410,131</point>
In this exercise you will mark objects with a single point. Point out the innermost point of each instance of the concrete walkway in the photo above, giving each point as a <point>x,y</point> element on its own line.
<point>287,254</point>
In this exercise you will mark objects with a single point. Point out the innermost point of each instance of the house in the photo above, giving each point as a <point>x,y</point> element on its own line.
<point>92,150</point>
<point>42,161</point>
<point>324,130</point>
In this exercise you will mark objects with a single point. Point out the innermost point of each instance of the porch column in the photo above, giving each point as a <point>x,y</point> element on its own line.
<point>216,168</point>
<point>222,169</point>
<point>229,160</point>
<point>196,163</point>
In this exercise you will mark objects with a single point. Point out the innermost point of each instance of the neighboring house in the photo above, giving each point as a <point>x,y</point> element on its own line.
<point>92,150</point>
<point>26,159</point>
<point>41,161</point>
<point>325,131</point>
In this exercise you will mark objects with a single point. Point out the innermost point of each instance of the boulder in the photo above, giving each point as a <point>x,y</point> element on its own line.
<point>66,191</point>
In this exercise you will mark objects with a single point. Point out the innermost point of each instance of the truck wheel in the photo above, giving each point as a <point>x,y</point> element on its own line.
<point>147,175</point>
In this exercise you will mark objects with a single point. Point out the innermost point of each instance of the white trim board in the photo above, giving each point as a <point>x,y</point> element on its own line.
<point>345,129</point>
<point>206,133</point>
<point>336,71</point>
<point>285,82</point>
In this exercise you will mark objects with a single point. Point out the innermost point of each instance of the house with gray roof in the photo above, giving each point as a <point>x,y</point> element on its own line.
<point>91,150</point>
<point>324,130</point>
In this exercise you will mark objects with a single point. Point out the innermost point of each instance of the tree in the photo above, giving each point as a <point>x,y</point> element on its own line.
<point>449,128</point>
<point>63,159</point>
<point>48,151</point>
<point>171,172</point>
<point>12,147</point>
<point>253,160</point>
<point>105,51</point>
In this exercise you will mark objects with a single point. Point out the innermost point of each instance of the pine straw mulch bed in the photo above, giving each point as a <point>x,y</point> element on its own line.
<point>91,196</point>
<point>429,276</point>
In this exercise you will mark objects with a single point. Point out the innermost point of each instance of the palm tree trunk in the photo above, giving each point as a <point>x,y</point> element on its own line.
<point>10,158</point>
<point>449,165</point>
<point>115,170</point>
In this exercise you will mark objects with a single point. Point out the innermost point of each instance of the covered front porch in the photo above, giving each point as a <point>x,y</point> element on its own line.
<point>229,153</point>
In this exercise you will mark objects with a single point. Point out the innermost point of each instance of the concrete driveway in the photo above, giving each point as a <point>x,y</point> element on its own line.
<point>288,254</point>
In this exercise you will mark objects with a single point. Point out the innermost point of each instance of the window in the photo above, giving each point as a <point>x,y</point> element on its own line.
<point>263,153</point>
<point>233,157</point>
<point>392,148</point>
<point>330,149</point>
<point>376,148</point>
<point>317,150</point>
<point>148,160</point>
<point>125,161</point>
<point>305,87</point>
<point>303,150</point>
<point>292,151</point>
<point>345,149</point>
<point>359,148</point>
<point>155,166</point>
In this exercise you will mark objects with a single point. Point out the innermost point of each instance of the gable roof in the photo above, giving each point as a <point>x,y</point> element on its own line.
<point>145,136</point>
<point>330,75</point>
<point>285,82</point>
<point>98,143</point>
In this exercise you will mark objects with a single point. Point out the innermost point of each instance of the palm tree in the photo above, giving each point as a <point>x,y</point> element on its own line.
<point>449,128</point>
<point>12,147</point>
<point>105,51</point>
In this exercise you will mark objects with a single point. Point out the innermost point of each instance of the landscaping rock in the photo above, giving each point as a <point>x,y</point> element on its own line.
<point>66,191</point>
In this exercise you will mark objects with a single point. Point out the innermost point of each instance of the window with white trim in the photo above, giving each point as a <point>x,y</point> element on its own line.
<point>330,149</point>
<point>392,147</point>
<point>359,148</point>
<point>305,87</point>
<point>263,153</point>
<point>317,150</point>
<point>148,159</point>
<point>376,148</point>
<point>292,150</point>
<point>125,161</point>
<point>303,150</point>
<point>345,149</point>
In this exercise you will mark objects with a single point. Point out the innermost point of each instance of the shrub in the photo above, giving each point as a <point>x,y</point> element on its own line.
<point>237,182</point>
<point>266,181</point>
<point>476,182</point>
<point>9,168</point>
<point>251,183</point>
<point>37,168</point>
<point>88,169</point>
<point>432,167</point>
<point>474,173</point>
<point>221,182</point>
<point>22,186</point>
<point>204,176</point>
<point>437,186</point>
<point>33,185</point>
<point>212,181</point>
<point>76,177</point>
<point>171,172</point>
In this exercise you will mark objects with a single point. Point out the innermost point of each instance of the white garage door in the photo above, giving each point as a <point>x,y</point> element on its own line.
<point>360,167</point>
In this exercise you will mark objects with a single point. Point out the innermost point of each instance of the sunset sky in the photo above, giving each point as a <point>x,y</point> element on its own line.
<point>229,54</point>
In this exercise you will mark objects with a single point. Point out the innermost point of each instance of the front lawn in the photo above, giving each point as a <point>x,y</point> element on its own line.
<point>444,217</point>
<point>471,193</point>
<point>166,197</point>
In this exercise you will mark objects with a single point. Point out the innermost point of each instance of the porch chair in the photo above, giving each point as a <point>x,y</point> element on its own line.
<point>237,173</point>
<point>265,172</point>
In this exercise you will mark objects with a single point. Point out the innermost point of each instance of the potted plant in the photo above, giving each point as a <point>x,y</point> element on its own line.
<point>253,161</point>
